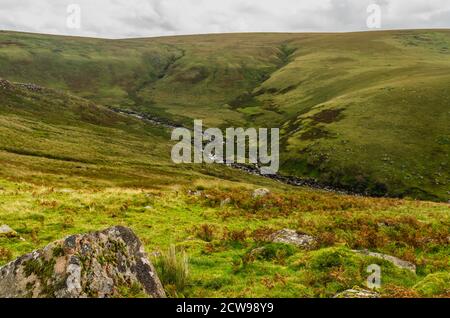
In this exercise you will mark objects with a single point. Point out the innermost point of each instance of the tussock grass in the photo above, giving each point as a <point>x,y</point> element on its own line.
<point>173,270</point>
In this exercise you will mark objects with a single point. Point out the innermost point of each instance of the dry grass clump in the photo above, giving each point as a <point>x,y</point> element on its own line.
<point>173,271</point>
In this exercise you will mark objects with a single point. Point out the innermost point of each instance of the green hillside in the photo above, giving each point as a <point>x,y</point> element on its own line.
<point>71,165</point>
<point>366,111</point>
<point>51,138</point>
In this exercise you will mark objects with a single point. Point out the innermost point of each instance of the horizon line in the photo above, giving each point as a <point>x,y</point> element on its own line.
<point>220,33</point>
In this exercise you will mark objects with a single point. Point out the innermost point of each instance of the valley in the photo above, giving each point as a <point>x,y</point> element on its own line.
<point>85,128</point>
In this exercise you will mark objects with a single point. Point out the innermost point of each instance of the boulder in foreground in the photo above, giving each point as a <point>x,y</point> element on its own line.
<point>110,263</point>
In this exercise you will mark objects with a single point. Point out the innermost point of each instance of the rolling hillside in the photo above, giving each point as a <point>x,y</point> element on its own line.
<point>51,138</point>
<point>364,111</point>
<point>69,164</point>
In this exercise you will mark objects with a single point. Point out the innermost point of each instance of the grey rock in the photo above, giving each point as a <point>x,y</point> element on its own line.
<point>288,236</point>
<point>259,193</point>
<point>110,263</point>
<point>394,260</point>
<point>254,253</point>
<point>225,202</point>
<point>357,293</point>
<point>5,230</point>
<point>31,87</point>
<point>194,193</point>
<point>4,84</point>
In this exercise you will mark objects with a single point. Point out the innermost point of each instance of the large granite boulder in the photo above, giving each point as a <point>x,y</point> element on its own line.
<point>109,263</point>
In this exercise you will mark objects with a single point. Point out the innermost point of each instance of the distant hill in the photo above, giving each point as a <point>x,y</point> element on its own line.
<point>51,138</point>
<point>365,111</point>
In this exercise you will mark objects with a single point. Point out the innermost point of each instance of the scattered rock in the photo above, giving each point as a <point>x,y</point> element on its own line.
<point>194,193</point>
<point>288,236</point>
<point>5,230</point>
<point>259,193</point>
<point>66,190</point>
<point>357,293</point>
<point>381,224</point>
<point>110,263</point>
<point>31,87</point>
<point>225,202</point>
<point>4,84</point>
<point>394,260</point>
<point>254,253</point>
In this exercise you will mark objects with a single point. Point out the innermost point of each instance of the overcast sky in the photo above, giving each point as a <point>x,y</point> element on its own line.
<point>138,18</point>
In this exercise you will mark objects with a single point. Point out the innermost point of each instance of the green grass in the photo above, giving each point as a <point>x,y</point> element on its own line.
<point>220,267</point>
<point>364,110</point>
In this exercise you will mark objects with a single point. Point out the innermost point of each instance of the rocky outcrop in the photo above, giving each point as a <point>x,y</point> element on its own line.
<point>357,293</point>
<point>31,87</point>
<point>110,263</point>
<point>394,260</point>
<point>288,236</point>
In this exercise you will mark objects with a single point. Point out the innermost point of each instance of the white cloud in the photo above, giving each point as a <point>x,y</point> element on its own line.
<point>133,18</point>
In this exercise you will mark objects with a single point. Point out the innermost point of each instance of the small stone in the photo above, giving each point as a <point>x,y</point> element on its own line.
<point>225,202</point>
<point>288,236</point>
<point>259,193</point>
<point>5,230</point>
<point>4,84</point>
<point>357,293</point>
<point>148,207</point>
<point>194,193</point>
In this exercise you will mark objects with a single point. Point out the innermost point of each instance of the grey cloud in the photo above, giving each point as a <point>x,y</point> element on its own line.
<point>123,18</point>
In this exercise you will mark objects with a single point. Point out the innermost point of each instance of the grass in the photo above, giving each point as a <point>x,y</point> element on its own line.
<point>173,270</point>
<point>349,117</point>
<point>220,266</point>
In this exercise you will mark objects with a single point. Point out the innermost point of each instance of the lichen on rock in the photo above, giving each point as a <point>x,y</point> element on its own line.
<point>288,236</point>
<point>110,263</point>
